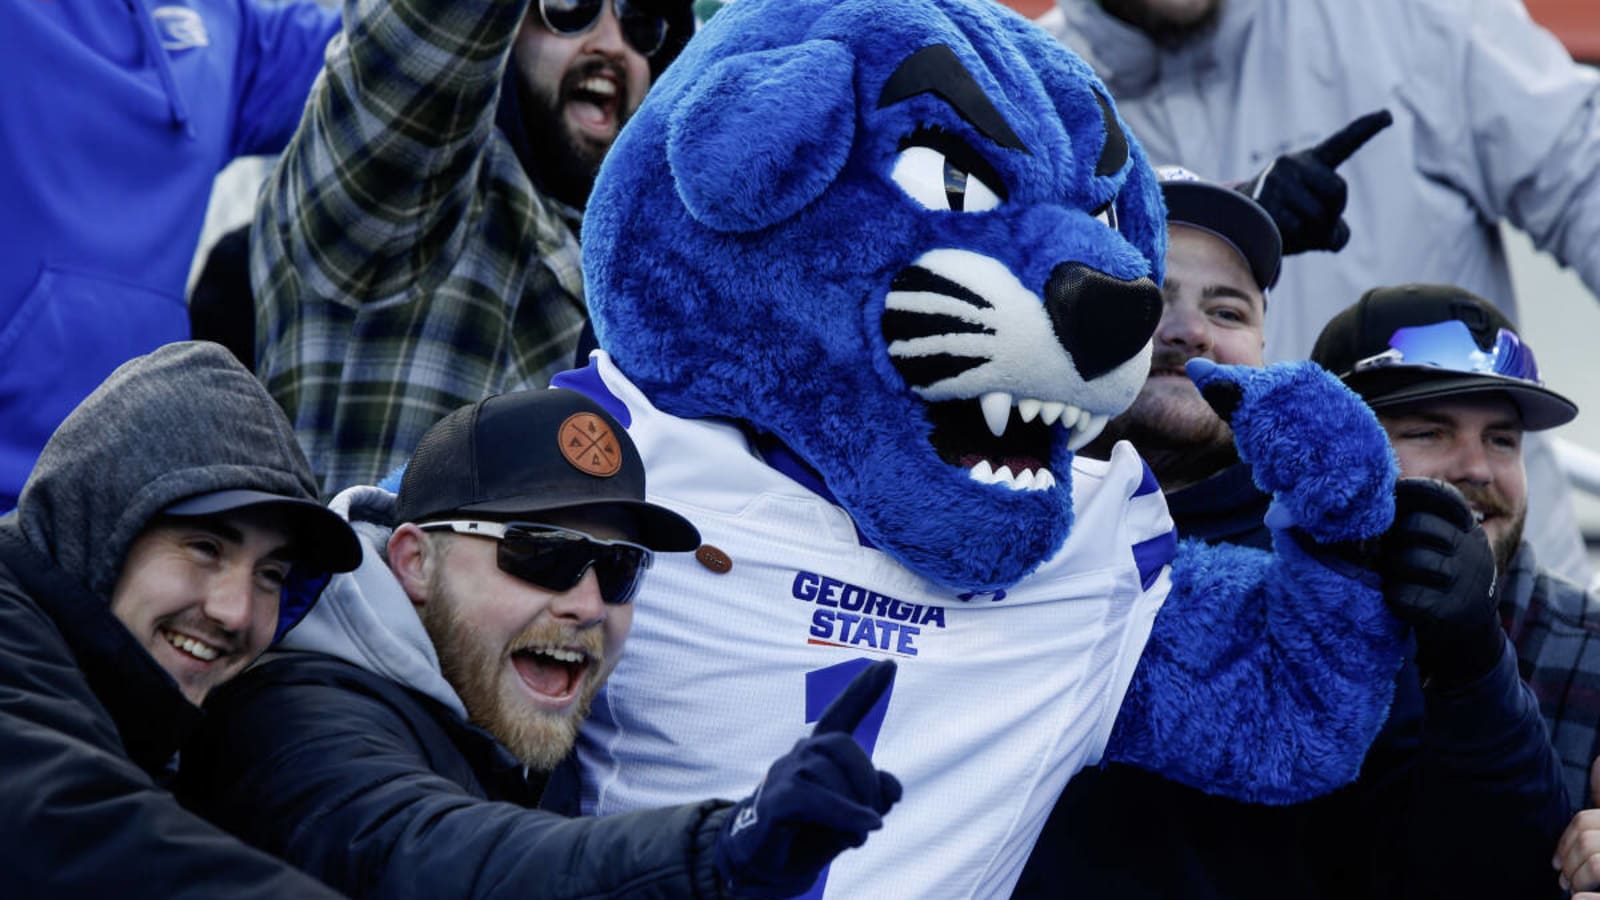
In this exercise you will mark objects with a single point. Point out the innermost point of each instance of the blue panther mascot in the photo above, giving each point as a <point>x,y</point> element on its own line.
<point>865,275</point>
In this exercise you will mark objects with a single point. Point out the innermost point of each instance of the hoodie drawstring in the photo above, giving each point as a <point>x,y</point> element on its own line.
<point>175,105</point>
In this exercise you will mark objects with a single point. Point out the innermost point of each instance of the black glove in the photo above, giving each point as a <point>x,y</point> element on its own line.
<point>1438,576</point>
<point>1303,193</point>
<point>818,800</point>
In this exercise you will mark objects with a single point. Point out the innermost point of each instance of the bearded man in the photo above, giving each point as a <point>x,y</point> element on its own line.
<point>1457,390</point>
<point>413,740</point>
<point>416,247</point>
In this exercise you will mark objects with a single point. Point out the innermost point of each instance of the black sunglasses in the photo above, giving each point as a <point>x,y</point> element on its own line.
<point>555,559</point>
<point>644,31</point>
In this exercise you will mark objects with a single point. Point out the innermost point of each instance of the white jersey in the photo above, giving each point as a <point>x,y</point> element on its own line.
<point>999,698</point>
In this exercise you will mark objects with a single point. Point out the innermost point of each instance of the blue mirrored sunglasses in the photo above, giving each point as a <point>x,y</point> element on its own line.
<point>644,31</point>
<point>1450,345</point>
<point>554,558</point>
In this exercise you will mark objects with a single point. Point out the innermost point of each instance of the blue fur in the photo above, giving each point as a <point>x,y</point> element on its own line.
<point>740,245</point>
<point>1272,645</point>
<point>676,263</point>
<point>1312,445</point>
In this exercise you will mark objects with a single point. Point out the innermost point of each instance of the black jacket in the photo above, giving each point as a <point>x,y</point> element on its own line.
<point>89,721</point>
<point>383,791</point>
<point>88,726</point>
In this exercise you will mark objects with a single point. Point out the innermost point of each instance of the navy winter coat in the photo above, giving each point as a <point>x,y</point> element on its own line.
<point>89,724</point>
<point>382,791</point>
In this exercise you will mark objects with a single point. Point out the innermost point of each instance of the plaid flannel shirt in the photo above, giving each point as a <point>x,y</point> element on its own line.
<point>403,263</point>
<point>1555,627</point>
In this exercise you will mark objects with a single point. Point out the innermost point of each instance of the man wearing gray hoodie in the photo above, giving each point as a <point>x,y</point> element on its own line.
<point>414,739</point>
<point>169,533</point>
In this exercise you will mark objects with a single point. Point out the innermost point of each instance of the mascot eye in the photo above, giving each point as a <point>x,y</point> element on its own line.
<point>941,171</point>
<point>1107,214</point>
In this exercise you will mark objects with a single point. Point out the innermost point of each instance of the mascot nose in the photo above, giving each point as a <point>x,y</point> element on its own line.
<point>1100,320</point>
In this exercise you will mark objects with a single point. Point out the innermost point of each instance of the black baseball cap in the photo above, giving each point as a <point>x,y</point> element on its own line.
<point>322,540</point>
<point>1415,342</point>
<point>514,455</point>
<point>1226,213</point>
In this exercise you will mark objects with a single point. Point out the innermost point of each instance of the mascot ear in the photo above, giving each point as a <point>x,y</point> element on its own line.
<point>760,135</point>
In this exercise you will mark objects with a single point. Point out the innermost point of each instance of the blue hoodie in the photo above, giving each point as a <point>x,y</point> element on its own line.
<point>115,117</point>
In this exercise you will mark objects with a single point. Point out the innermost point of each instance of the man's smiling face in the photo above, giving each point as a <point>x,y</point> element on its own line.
<point>202,594</point>
<point>1473,441</point>
<point>1211,308</point>
<point>526,661</point>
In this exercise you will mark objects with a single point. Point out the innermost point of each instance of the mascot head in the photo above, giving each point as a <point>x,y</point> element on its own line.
<point>911,240</point>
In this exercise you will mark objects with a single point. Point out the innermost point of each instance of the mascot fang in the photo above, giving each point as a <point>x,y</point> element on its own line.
<point>865,275</point>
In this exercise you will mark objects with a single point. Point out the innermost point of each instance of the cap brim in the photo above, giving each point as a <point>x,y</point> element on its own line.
<point>321,539</point>
<point>1540,407</point>
<point>655,527</point>
<point>1231,216</point>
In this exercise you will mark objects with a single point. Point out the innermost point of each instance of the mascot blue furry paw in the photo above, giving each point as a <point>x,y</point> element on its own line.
<point>865,276</point>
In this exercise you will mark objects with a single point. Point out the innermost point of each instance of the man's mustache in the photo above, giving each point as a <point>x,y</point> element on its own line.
<point>1169,362</point>
<point>1486,500</point>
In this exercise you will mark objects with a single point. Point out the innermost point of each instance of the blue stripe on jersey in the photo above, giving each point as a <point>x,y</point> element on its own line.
<point>777,454</point>
<point>587,381</point>
<point>1147,482</point>
<point>1154,554</point>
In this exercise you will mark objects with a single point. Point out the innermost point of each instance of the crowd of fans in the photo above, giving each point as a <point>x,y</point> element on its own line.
<point>410,284</point>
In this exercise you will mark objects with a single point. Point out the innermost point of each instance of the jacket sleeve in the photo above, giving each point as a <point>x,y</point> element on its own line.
<point>1490,801</point>
<point>1266,676</point>
<point>81,819</point>
<point>336,781</point>
<point>1506,117</point>
<point>280,54</point>
<point>373,194</point>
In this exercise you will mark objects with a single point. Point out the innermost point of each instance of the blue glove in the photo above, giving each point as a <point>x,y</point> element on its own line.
<point>818,800</point>
<point>1310,442</point>
<point>1305,196</point>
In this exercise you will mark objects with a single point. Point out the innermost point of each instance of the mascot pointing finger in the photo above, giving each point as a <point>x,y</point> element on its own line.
<point>865,275</point>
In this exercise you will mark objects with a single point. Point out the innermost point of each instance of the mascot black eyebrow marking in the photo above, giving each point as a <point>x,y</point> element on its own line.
<point>1115,152</point>
<point>938,71</point>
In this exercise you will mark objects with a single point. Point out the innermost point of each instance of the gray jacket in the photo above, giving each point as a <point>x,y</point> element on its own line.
<point>1493,121</point>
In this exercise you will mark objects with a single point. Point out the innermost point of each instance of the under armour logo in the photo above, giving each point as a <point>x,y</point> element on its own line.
<point>747,814</point>
<point>180,28</point>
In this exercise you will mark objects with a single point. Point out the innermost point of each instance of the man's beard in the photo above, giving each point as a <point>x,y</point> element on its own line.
<point>483,678</point>
<point>1160,26</point>
<point>568,162</point>
<point>1173,428</point>
<point>1490,503</point>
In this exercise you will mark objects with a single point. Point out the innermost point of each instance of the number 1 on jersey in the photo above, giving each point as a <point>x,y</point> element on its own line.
<point>822,685</point>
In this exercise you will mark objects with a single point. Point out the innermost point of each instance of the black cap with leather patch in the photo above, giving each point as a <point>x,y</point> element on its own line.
<point>516,455</point>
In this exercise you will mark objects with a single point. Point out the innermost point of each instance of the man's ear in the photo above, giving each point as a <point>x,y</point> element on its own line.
<point>410,560</point>
<point>762,134</point>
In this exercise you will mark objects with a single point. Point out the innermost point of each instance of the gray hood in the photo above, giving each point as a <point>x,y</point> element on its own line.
<point>186,419</point>
<point>365,617</point>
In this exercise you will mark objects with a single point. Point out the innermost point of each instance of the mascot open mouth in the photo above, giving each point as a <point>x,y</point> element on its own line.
<point>1000,440</point>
